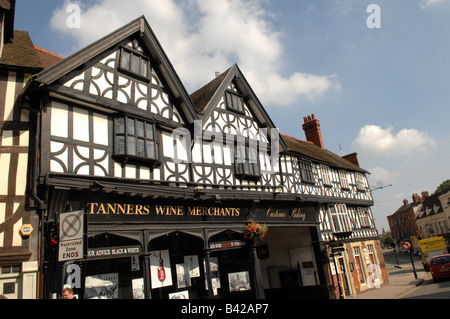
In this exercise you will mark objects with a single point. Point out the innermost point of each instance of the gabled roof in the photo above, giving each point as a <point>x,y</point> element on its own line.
<point>317,153</point>
<point>140,27</point>
<point>207,97</point>
<point>431,205</point>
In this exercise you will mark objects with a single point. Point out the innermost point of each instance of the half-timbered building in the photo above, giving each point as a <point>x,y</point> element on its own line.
<point>152,192</point>
<point>19,223</point>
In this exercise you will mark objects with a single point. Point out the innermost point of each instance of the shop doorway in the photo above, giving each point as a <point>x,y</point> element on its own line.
<point>302,259</point>
<point>232,268</point>
<point>344,275</point>
<point>176,267</point>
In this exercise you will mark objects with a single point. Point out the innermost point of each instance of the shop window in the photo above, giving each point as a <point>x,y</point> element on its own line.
<point>135,139</point>
<point>176,267</point>
<point>359,265</point>
<point>112,274</point>
<point>246,161</point>
<point>231,266</point>
<point>373,262</point>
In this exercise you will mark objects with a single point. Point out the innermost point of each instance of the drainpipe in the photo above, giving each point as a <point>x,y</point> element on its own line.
<point>41,205</point>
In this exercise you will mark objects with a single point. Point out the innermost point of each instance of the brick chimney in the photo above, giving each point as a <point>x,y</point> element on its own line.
<point>311,126</point>
<point>352,158</point>
<point>415,198</point>
<point>405,202</point>
<point>424,195</point>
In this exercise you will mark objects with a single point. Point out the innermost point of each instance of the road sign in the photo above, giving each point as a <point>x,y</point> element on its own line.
<point>71,235</point>
<point>406,244</point>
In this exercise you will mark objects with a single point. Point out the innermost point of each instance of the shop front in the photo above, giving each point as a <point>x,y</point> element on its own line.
<point>142,248</point>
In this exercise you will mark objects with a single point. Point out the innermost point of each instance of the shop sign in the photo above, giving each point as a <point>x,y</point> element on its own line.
<point>106,211</point>
<point>113,252</point>
<point>71,235</point>
<point>227,244</point>
<point>297,214</point>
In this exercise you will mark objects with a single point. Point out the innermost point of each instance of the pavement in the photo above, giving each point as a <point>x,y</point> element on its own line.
<point>401,280</point>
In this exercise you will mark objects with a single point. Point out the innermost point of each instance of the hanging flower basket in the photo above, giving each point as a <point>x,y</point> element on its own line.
<point>255,230</point>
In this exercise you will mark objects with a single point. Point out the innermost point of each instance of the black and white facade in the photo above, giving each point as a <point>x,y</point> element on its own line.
<point>165,179</point>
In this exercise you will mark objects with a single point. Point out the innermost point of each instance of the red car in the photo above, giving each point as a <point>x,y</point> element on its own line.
<point>440,267</point>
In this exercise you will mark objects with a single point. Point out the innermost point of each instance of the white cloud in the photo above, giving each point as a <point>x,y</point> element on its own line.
<point>203,36</point>
<point>425,4</point>
<point>383,175</point>
<point>374,141</point>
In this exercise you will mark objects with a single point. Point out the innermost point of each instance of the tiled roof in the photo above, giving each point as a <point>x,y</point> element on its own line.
<point>48,58</point>
<point>21,52</point>
<point>202,96</point>
<point>313,151</point>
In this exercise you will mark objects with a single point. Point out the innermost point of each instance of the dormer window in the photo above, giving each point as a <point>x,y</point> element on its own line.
<point>135,140</point>
<point>234,102</point>
<point>134,64</point>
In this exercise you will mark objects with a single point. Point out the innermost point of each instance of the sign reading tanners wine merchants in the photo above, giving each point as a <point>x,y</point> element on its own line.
<point>108,211</point>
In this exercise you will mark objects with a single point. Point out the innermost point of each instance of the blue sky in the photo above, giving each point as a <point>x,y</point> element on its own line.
<point>381,92</point>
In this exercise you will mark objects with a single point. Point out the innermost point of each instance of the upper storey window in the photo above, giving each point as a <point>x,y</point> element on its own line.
<point>135,139</point>
<point>326,179</point>
<point>306,171</point>
<point>344,180</point>
<point>234,101</point>
<point>246,162</point>
<point>135,64</point>
<point>360,185</point>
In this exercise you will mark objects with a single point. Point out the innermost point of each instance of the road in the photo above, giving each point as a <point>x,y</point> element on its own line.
<point>400,263</point>
<point>430,290</point>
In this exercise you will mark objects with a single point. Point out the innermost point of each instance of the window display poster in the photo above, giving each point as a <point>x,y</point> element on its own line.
<point>138,288</point>
<point>104,286</point>
<point>194,269</point>
<point>239,281</point>
<point>183,278</point>
<point>179,295</point>
<point>160,269</point>
<point>215,276</point>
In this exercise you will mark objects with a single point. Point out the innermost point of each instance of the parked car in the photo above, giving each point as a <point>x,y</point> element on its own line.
<point>440,267</point>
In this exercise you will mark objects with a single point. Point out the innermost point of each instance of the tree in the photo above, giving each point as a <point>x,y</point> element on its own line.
<point>444,187</point>
<point>386,239</point>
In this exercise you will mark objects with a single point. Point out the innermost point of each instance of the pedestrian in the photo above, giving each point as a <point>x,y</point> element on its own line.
<point>68,293</point>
